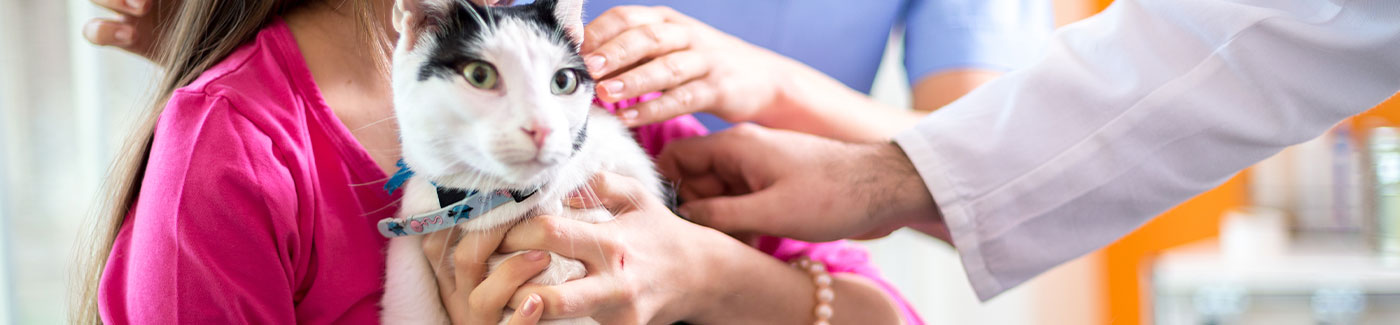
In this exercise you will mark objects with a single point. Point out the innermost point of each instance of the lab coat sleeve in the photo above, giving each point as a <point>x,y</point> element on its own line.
<point>1136,110</point>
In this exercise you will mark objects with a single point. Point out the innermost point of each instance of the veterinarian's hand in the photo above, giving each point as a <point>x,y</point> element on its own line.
<point>134,28</point>
<point>635,50</point>
<point>468,293</point>
<point>750,179</point>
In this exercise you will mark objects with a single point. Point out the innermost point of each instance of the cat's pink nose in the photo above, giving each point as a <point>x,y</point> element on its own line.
<point>538,134</point>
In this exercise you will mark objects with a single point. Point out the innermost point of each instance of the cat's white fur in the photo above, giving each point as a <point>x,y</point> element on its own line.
<point>462,137</point>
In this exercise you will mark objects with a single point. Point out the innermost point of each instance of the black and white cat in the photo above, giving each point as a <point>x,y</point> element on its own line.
<point>495,100</point>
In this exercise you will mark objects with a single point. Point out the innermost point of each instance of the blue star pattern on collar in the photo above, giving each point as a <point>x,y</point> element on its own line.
<point>457,206</point>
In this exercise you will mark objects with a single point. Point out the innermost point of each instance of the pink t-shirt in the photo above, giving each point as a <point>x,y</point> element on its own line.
<point>258,206</point>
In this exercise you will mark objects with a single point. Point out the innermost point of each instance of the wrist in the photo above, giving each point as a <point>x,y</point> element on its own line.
<point>900,198</point>
<point>786,104</point>
<point>746,286</point>
<point>706,279</point>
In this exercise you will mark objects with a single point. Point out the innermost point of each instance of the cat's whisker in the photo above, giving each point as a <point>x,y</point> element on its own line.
<point>373,182</point>
<point>370,124</point>
<point>391,204</point>
<point>477,16</point>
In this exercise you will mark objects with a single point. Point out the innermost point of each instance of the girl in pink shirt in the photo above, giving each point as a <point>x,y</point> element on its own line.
<point>253,195</point>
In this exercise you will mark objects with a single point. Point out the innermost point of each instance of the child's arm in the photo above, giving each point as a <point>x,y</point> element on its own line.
<point>212,238</point>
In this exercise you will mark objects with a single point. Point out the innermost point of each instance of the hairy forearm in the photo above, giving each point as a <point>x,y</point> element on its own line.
<point>894,190</point>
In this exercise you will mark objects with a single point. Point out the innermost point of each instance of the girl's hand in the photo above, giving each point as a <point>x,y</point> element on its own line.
<point>134,28</point>
<point>468,293</point>
<point>647,266</point>
<point>636,50</point>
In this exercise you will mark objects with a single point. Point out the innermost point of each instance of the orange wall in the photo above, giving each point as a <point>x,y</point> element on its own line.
<point>1128,300</point>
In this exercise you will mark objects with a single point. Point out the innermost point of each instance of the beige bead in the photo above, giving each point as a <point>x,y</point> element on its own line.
<point>822,280</point>
<point>824,312</point>
<point>826,295</point>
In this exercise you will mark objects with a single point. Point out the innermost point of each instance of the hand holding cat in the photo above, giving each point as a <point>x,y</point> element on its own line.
<point>468,293</point>
<point>635,50</point>
<point>646,266</point>
<point>754,180</point>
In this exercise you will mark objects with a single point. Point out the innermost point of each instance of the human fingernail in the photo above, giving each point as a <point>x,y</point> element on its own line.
<point>535,255</point>
<point>136,4</point>
<point>531,305</point>
<point>612,87</point>
<point>594,63</point>
<point>122,36</point>
<point>629,114</point>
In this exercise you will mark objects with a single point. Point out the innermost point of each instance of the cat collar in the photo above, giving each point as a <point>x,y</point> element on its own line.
<point>457,206</point>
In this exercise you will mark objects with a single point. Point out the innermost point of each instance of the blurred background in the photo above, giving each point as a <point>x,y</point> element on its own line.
<point>1296,240</point>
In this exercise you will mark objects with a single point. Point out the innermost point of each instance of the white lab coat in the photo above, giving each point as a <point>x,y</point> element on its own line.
<point>1136,110</point>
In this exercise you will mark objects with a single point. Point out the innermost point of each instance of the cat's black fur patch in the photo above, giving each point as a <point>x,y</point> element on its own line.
<point>581,136</point>
<point>458,31</point>
<point>448,196</point>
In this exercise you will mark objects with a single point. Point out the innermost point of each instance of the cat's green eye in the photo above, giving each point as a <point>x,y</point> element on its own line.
<point>565,82</point>
<point>480,74</point>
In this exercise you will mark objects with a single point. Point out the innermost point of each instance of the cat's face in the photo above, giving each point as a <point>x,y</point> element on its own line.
<point>489,95</point>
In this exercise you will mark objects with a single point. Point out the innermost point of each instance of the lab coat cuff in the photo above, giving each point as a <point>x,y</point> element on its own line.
<point>936,171</point>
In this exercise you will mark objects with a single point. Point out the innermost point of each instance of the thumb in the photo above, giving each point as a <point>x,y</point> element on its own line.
<point>750,213</point>
<point>612,191</point>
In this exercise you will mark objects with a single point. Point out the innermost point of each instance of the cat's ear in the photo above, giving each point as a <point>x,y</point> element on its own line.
<point>409,17</point>
<point>569,13</point>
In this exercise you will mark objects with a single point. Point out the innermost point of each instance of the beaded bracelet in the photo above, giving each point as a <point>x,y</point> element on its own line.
<point>822,279</point>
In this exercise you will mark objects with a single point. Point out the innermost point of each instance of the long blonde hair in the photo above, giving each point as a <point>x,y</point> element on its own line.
<point>197,35</point>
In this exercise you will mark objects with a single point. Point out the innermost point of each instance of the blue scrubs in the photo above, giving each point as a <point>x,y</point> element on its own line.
<point>846,38</point>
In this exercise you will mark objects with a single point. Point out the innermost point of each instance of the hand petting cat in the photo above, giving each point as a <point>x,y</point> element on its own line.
<point>634,50</point>
<point>753,180</point>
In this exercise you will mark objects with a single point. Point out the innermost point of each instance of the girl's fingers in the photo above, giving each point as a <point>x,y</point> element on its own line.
<point>489,298</point>
<point>129,7</point>
<point>619,193</point>
<point>635,45</point>
<point>435,248</point>
<point>107,32</point>
<point>529,312</point>
<point>660,74</point>
<point>570,238</point>
<point>469,260</point>
<point>697,95</point>
<point>582,199</point>
<point>614,21</point>
<point>578,298</point>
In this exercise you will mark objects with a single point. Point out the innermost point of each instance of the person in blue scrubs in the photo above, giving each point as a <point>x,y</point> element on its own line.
<point>950,46</point>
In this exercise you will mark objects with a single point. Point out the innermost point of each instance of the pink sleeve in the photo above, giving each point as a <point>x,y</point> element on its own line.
<point>208,241</point>
<point>839,256</point>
